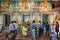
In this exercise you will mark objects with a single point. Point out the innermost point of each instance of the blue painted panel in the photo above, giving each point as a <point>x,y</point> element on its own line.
<point>26,17</point>
<point>45,18</point>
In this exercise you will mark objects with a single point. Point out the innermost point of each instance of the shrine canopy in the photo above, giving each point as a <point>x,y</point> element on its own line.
<point>45,6</point>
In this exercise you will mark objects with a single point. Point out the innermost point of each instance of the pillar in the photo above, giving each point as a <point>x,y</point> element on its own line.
<point>41,17</point>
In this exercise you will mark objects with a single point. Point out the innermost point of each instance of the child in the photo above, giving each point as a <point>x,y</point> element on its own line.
<point>53,36</point>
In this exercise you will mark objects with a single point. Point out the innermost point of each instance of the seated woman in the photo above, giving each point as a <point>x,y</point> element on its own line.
<point>53,36</point>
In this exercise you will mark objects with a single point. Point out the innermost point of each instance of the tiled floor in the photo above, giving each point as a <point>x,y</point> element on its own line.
<point>19,37</point>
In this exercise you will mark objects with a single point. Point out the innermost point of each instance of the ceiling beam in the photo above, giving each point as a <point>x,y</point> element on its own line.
<point>28,0</point>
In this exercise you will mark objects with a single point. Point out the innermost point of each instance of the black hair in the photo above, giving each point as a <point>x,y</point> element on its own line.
<point>39,21</point>
<point>14,21</point>
<point>33,21</point>
<point>46,22</point>
<point>11,22</point>
<point>57,22</point>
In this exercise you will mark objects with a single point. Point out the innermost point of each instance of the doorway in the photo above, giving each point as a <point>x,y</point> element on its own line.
<point>7,20</point>
<point>45,18</point>
<point>26,18</point>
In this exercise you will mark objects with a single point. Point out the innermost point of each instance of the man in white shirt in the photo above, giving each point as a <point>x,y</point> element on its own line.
<point>40,28</point>
<point>11,27</point>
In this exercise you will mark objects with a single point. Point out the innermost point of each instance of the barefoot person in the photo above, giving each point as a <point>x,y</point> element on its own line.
<point>57,28</point>
<point>33,26</point>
